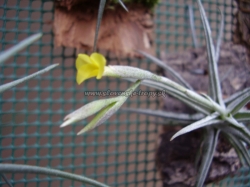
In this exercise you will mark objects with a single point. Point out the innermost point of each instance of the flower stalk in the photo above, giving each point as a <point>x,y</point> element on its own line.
<point>136,73</point>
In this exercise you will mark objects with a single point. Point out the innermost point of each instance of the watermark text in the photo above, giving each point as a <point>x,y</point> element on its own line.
<point>127,93</point>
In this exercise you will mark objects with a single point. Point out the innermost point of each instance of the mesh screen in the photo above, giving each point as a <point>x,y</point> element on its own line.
<point>118,153</point>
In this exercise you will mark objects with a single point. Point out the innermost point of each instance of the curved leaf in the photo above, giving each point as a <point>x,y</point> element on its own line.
<point>219,39</point>
<point>238,103</point>
<point>214,81</point>
<point>209,120</point>
<point>235,132</point>
<point>210,144</point>
<point>192,26</point>
<point>242,116</point>
<point>20,168</point>
<point>236,95</point>
<point>19,81</point>
<point>197,105</point>
<point>240,149</point>
<point>235,124</point>
<point>179,118</point>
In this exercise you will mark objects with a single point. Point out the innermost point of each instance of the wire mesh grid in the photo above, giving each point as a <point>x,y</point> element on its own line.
<point>118,153</point>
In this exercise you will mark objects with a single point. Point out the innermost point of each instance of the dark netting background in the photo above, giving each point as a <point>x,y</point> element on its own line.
<point>118,153</point>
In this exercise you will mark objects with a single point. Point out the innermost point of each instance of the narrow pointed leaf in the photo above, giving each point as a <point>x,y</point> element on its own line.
<point>125,8</point>
<point>207,158</point>
<point>241,127</point>
<point>99,20</point>
<point>178,118</point>
<point>242,116</point>
<point>209,146</point>
<point>197,105</point>
<point>167,68</point>
<point>238,103</point>
<point>5,55</point>
<point>209,120</point>
<point>19,81</point>
<point>235,132</point>
<point>237,95</point>
<point>214,81</point>
<point>192,26</point>
<point>21,168</point>
<point>219,39</point>
<point>240,149</point>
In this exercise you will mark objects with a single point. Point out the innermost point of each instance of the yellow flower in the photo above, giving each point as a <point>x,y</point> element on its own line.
<point>89,66</point>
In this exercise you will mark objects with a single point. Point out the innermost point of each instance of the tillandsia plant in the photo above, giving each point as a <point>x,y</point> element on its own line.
<point>217,116</point>
<point>19,168</point>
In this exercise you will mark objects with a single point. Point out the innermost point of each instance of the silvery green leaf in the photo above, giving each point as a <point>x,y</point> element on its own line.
<point>238,103</point>
<point>241,127</point>
<point>125,8</point>
<point>219,39</point>
<point>240,149</point>
<point>99,20</point>
<point>192,27</point>
<point>178,118</point>
<point>198,106</point>
<point>29,169</point>
<point>235,132</point>
<point>5,55</point>
<point>167,68</point>
<point>209,147</point>
<point>242,116</point>
<point>128,72</point>
<point>109,110</point>
<point>221,110</point>
<point>208,120</point>
<point>19,81</point>
<point>214,81</point>
<point>236,95</point>
<point>87,110</point>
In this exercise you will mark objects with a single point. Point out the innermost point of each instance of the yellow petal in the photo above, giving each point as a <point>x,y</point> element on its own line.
<point>98,58</point>
<point>86,71</point>
<point>80,78</point>
<point>81,60</point>
<point>100,61</point>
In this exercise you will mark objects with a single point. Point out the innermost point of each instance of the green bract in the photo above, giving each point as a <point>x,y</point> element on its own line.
<point>107,108</point>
